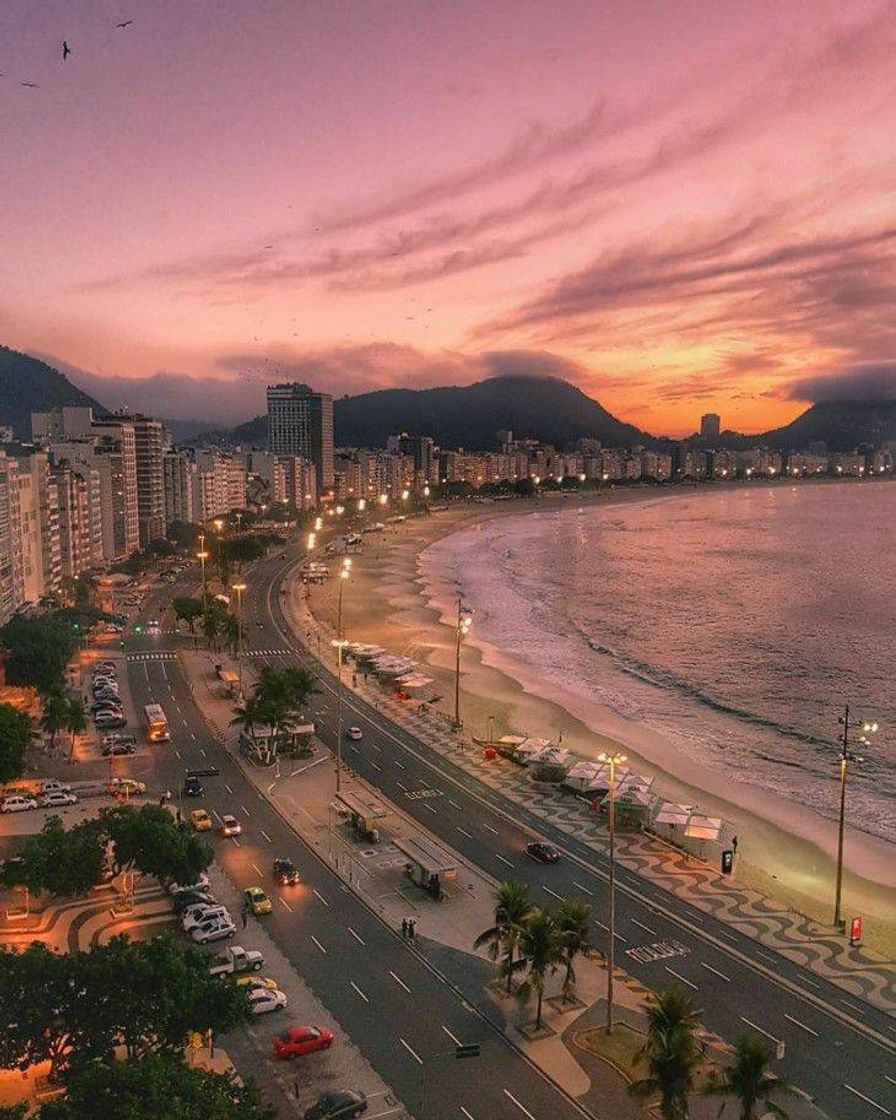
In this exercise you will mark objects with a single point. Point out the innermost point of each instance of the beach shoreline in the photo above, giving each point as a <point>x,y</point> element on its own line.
<point>403,597</point>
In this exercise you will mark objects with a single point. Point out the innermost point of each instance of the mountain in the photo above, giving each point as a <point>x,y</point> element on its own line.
<point>544,408</point>
<point>842,425</point>
<point>28,385</point>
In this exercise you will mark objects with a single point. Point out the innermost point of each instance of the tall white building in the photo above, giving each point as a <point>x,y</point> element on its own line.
<point>300,423</point>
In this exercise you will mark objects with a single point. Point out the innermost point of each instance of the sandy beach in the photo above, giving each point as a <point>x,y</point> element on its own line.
<point>402,596</point>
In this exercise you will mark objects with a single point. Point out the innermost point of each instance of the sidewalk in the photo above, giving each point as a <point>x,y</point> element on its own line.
<point>808,943</point>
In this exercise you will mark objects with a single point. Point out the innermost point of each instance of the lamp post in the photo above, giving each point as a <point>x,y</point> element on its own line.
<point>612,760</point>
<point>461,629</point>
<point>340,644</point>
<point>202,556</point>
<point>343,576</point>
<point>239,588</point>
<point>846,722</point>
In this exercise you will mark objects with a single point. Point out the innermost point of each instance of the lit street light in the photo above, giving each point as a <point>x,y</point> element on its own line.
<point>202,556</point>
<point>461,629</point>
<point>611,760</point>
<point>846,722</point>
<point>340,644</point>
<point>343,576</point>
<point>239,588</point>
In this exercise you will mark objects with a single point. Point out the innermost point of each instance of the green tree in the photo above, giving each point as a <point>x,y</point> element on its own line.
<point>672,1052</point>
<point>213,621</point>
<point>188,609</point>
<point>75,720</point>
<point>184,534</point>
<point>16,733</point>
<point>574,922</point>
<point>157,1087</point>
<point>541,950</point>
<point>54,716</point>
<point>232,632</point>
<point>248,714</point>
<point>512,910</point>
<point>149,840</point>
<point>748,1080</point>
<point>67,864</point>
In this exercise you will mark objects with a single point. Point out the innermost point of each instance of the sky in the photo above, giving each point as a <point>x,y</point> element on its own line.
<point>681,206</point>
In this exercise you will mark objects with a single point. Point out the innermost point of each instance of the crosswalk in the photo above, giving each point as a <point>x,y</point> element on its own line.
<point>266,652</point>
<point>154,655</point>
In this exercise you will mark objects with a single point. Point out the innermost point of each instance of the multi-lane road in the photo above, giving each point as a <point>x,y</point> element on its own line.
<point>838,1048</point>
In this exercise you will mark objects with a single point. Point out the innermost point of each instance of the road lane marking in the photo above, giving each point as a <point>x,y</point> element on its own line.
<point>767,956</point>
<point>401,785</point>
<point>377,768</point>
<point>216,813</point>
<point>453,1037</point>
<point>756,1027</point>
<point>854,1007</point>
<point>265,835</point>
<point>318,944</point>
<point>635,922</point>
<point>411,1051</point>
<point>425,806</point>
<point>791,1019</point>
<point>398,980</point>
<point>522,1108</point>
<point>227,787</point>
<point>709,968</point>
<point>356,936</point>
<point>320,896</point>
<point>868,1100</point>
<point>400,765</point>
<point>245,810</point>
<point>358,990</point>
<point>553,894</point>
<point>463,832</point>
<point>236,842</point>
<point>454,803</point>
<point>502,859</point>
<point>202,752</point>
<point>683,979</point>
<point>468,1115</point>
<point>255,865</point>
<point>285,903</point>
<point>177,752</point>
<point>806,980</point>
<point>584,890</point>
<point>892,1080</point>
<point>489,827</point>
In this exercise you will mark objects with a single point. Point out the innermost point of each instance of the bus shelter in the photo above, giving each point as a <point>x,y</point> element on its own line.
<point>428,865</point>
<point>364,810</point>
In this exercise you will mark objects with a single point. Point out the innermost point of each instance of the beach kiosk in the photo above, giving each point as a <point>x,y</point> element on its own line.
<point>429,865</point>
<point>364,810</point>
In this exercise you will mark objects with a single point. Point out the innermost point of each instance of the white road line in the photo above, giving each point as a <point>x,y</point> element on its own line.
<point>791,1019</point>
<point>377,768</point>
<point>265,835</point>
<point>425,806</point>
<point>318,944</point>
<point>320,896</point>
<point>489,827</point>
<point>635,922</point>
<point>400,765</point>
<point>756,1027</point>
<point>216,813</point>
<point>411,1051</point>
<point>398,980</point>
<point>892,1080</point>
<point>806,980</point>
<point>694,918</point>
<point>356,936</point>
<point>683,979</point>
<point>202,752</point>
<point>584,890</point>
<point>257,869</point>
<point>553,894</point>
<point>245,810</point>
<point>227,787</point>
<point>358,990</point>
<point>193,736</point>
<point>177,752</point>
<point>453,1037</point>
<point>285,903</point>
<point>236,842</point>
<point>463,832</point>
<point>855,1007</point>
<point>468,1115</point>
<point>401,785</point>
<point>709,968</point>
<point>454,803</point>
<point>522,1108</point>
<point>502,859</point>
<point>868,1100</point>
<point>727,936</point>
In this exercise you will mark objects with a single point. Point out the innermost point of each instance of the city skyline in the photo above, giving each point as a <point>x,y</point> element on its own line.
<point>680,212</point>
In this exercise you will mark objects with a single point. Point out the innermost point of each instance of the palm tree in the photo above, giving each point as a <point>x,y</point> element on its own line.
<point>574,922</point>
<point>672,1052</point>
<point>248,714</point>
<point>749,1081</point>
<point>211,627</point>
<point>55,715</point>
<point>541,948</point>
<point>232,632</point>
<point>512,909</point>
<point>75,720</point>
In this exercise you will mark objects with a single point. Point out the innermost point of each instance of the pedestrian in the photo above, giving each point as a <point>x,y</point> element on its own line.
<point>404,929</point>
<point>412,929</point>
<point>245,914</point>
<point>734,844</point>
<point>295,1088</point>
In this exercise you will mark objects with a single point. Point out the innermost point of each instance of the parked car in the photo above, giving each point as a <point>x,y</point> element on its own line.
<point>186,899</point>
<point>193,919</point>
<point>201,884</point>
<point>257,901</point>
<point>105,721</point>
<point>110,665</point>
<point>237,959</point>
<point>355,733</point>
<point>200,820</point>
<point>230,826</point>
<point>296,1041</point>
<point>118,737</point>
<point>57,798</point>
<point>257,982</point>
<point>543,852</point>
<point>125,786</point>
<point>193,787</point>
<point>263,999</point>
<point>286,873</point>
<point>214,930</point>
<point>54,785</point>
<point>17,804</point>
<point>117,750</point>
<point>338,1105</point>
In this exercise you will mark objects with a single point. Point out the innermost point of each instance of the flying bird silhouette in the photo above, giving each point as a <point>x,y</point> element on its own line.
<point>66,50</point>
<point>31,85</point>
<point>127,23</point>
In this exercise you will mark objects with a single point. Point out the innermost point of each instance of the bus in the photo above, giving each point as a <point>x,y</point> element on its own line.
<point>156,723</point>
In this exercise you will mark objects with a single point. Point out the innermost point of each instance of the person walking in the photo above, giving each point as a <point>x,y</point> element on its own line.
<point>412,930</point>
<point>404,929</point>
<point>245,915</point>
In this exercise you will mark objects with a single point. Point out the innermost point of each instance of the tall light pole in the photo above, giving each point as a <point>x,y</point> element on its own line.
<point>846,722</point>
<point>343,576</point>
<point>340,644</point>
<point>461,629</point>
<point>202,556</point>
<point>239,588</point>
<point>611,760</point>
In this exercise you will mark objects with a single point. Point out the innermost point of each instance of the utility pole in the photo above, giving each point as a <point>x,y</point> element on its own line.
<point>845,758</point>
<point>612,760</point>
<point>461,629</point>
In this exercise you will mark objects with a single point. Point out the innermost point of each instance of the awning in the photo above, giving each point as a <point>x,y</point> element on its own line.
<point>671,813</point>
<point>703,828</point>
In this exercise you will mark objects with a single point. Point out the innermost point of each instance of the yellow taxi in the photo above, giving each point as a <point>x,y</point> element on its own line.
<point>257,901</point>
<point>257,982</point>
<point>200,820</point>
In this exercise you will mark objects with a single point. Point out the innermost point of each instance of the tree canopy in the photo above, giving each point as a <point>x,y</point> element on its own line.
<point>16,732</point>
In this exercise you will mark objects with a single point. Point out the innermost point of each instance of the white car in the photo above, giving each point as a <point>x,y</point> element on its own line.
<point>17,804</point>
<point>230,826</point>
<point>200,885</point>
<point>53,785</point>
<point>263,999</point>
<point>214,930</point>
<point>355,733</point>
<point>56,798</point>
<point>203,915</point>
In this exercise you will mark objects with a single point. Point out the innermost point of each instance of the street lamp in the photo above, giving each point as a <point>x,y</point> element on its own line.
<point>340,644</point>
<point>312,541</point>
<point>343,576</point>
<point>202,556</point>
<point>611,760</point>
<point>847,721</point>
<point>461,629</point>
<point>382,499</point>
<point>318,524</point>
<point>239,588</point>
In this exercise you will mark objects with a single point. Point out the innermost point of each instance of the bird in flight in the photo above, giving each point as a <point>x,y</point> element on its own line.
<point>127,23</point>
<point>31,85</point>
<point>66,50</point>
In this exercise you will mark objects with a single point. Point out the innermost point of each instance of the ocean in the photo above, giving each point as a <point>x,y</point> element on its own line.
<point>737,623</point>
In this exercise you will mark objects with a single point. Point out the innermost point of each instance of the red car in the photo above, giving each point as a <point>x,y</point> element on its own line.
<point>296,1041</point>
